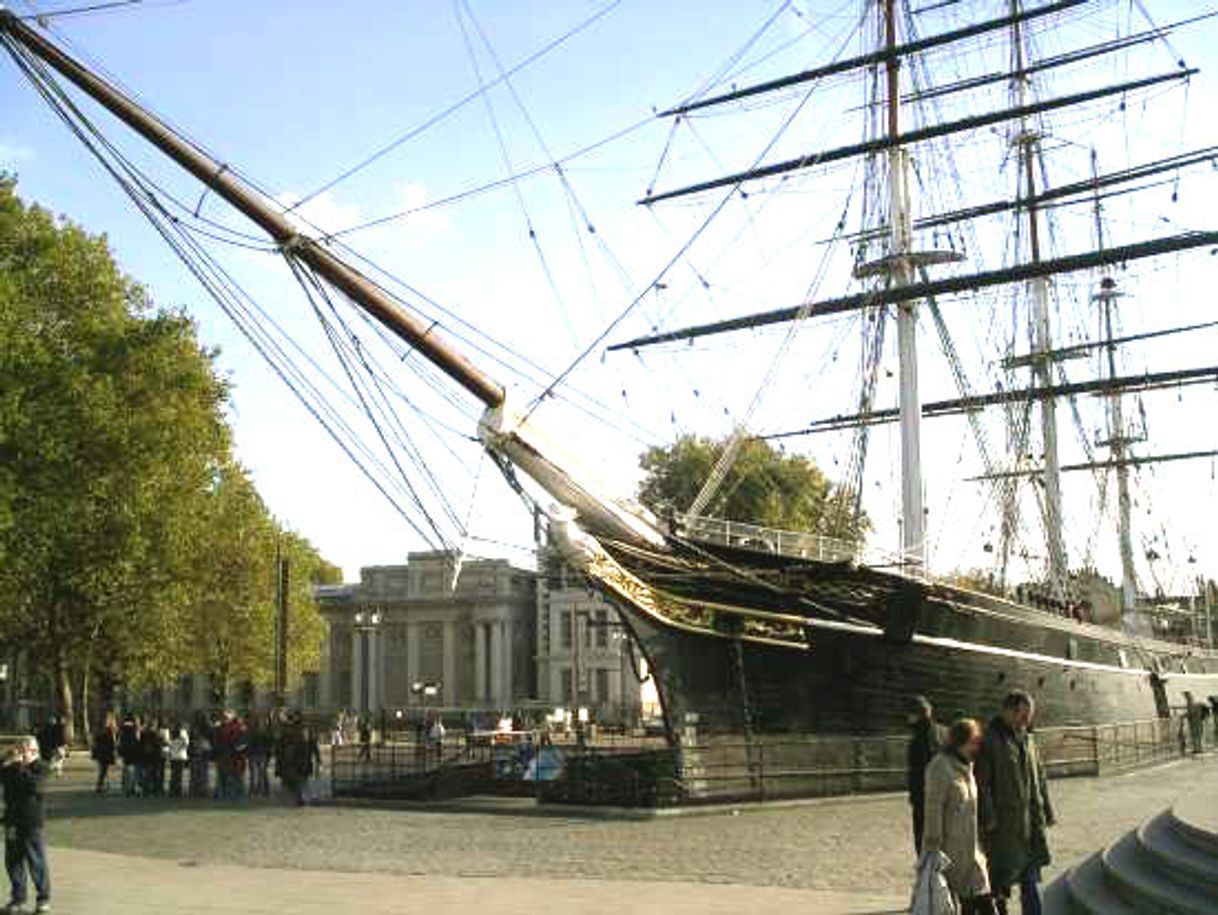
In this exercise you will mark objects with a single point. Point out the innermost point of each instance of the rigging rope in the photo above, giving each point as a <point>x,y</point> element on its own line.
<point>221,286</point>
<point>455,106</point>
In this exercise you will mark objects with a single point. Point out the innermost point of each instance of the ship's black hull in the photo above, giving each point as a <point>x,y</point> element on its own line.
<point>880,639</point>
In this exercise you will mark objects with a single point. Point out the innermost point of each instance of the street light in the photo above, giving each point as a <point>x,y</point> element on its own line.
<point>366,622</point>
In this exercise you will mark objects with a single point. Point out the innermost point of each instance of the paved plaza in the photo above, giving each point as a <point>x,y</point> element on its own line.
<point>851,855</point>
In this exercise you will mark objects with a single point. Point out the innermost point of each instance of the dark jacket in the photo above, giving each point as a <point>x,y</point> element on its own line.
<point>1014,804</point>
<point>129,743</point>
<point>23,794</point>
<point>924,743</point>
<point>294,755</point>
<point>104,746</point>
<point>151,748</point>
<point>53,737</point>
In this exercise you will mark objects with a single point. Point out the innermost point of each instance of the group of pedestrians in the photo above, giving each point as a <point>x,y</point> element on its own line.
<point>980,805</point>
<point>222,756</point>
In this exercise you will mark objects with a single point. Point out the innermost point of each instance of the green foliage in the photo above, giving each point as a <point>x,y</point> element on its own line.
<point>762,487</point>
<point>122,514</point>
<point>231,619</point>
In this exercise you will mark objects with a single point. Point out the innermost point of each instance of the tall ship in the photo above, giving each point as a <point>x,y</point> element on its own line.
<point>935,127</point>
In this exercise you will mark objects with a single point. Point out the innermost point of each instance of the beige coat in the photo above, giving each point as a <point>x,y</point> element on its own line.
<point>951,823</point>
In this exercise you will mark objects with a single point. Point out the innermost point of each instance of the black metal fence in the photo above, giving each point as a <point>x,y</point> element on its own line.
<point>630,770</point>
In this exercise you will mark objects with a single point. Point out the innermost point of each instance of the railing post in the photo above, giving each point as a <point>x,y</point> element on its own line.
<point>761,769</point>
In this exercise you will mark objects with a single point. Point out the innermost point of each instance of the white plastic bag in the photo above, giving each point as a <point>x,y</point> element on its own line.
<point>931,894</point>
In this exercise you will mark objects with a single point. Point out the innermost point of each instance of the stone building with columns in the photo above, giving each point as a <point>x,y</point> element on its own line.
<point>584,657</point>
<point>435,632</point>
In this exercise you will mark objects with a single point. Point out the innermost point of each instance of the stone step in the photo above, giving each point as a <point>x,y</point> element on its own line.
<point>1177,859</point>
<point>1196,828</point>
<point>1056,899</point>
<point>1132,874</point>
<point>1090,893</point>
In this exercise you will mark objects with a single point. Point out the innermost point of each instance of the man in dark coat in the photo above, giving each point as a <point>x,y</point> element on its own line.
<point>51,740</point>
<point>22,775</point>
<point>1013,800</point>
<point>129,753</point>
<point>294,757</point>
<point>925,741</point>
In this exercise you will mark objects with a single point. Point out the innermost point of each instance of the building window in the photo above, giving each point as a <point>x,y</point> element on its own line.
<point>602,685</point>
<point>566,624</point>
<point>602,628</point>
<point>568,688</point>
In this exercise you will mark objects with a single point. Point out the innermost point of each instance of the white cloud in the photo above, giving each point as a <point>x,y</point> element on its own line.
<point>412,198</point>
<point>324,214</point>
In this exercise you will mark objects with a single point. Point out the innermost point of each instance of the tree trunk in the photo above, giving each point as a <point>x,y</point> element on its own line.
<point>63,698</point>
<point>83,720</point>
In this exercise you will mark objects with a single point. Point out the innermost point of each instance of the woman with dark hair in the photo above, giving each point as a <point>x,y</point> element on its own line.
<point>951,818</point>
<point>105,746</point>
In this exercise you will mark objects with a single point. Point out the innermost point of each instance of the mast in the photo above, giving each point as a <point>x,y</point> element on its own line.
<point>1117,439</point>
<point>900,273</point>
<point>1027,142</point>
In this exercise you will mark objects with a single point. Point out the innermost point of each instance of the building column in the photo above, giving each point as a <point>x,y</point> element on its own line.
<point>376,667</point>
<point>450,664</point>
<point>414,653</point>
<point>479,662</point>
<point>509,628</point>
<point>496,663</point>
<point>325,676</point>
<point>357,670</point>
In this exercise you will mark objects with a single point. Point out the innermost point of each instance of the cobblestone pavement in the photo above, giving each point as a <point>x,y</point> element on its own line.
<point>855,846</point>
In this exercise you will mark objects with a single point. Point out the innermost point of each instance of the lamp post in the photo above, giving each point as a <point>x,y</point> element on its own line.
<point>366,623</point>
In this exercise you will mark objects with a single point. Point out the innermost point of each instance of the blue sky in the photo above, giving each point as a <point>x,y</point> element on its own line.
<point>294,93</point>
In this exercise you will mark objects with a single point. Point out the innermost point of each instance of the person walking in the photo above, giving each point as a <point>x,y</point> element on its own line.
<point>950,824</point>
<point>198,754</point>
<point>230,747</point>
<point>1015,809</point>
<point>103,751</point>
<point>177,751</point>
<point>129,753</point>
<point>294,758</point>
<point>152,761</point>
<point>925,741</point>
<point>1194,713</point>
<point>261,746</point>
<point>365,739</point>
<point>53,744</point>
<point>23,774</point>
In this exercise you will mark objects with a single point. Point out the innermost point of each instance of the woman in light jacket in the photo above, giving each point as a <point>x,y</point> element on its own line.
<point>177,751</point>
<point>951,818</point>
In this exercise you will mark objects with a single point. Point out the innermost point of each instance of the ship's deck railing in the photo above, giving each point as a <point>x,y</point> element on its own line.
<point>766,539</point>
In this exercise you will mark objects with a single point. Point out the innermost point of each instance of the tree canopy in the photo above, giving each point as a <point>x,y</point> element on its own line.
<point>115,471</point>
<point>763,486</point>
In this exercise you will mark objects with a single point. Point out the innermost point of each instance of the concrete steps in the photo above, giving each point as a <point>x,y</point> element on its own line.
<point>1167,866</point>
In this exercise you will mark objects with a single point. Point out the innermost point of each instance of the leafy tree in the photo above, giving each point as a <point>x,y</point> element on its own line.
<point>762,487</point>
<point>231,620</point>
<point>109,426</point>
<point>132,547</point>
